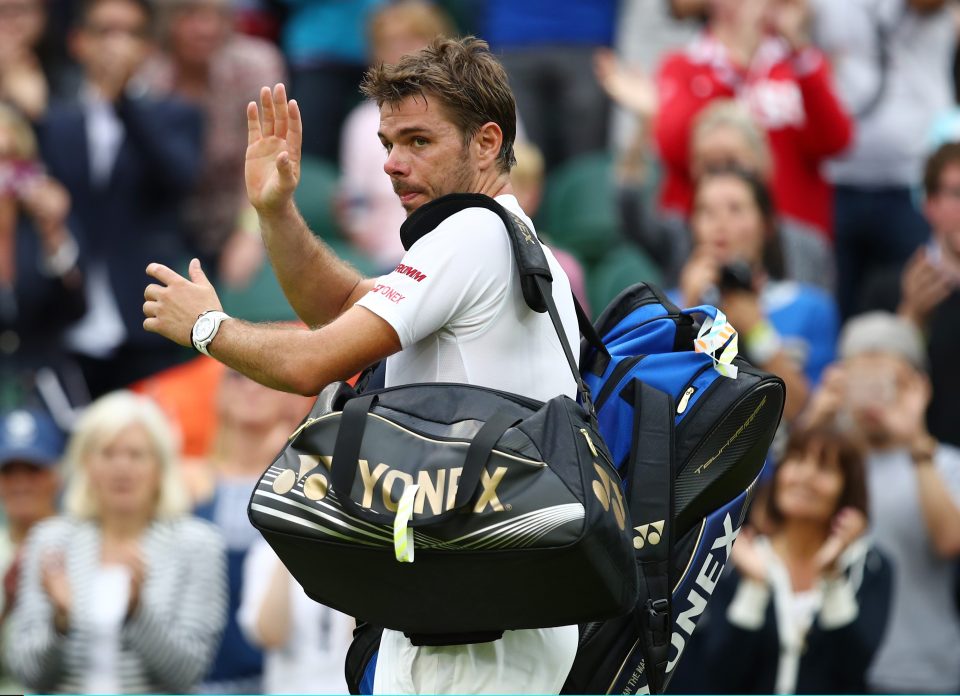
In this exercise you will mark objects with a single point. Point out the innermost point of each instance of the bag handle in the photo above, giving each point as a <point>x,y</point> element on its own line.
<point>346,454</point>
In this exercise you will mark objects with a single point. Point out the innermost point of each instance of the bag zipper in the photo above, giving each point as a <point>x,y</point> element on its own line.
<point>597,453</point>
<point>431,438</point>
<point>688,415</point>
<point>586,435</point>
<point>691,390</point>
<point>682,406</point>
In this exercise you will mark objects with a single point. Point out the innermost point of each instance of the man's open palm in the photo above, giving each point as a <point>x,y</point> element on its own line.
<point>274,138</point>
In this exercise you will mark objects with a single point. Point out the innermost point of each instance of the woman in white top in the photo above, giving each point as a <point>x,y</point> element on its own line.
<point>126,592</point>
<point>806,604</point>
<point>305,643</point>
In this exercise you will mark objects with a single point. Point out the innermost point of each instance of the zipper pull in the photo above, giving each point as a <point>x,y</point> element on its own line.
<point>685,399</point>
<point>586,436</point>
<point>306,424</point>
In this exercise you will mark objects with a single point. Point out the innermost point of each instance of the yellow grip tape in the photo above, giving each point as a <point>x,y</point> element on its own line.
<point>402,531</point>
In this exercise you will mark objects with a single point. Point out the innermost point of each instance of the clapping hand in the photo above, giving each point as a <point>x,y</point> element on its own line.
<point>828,400</point>
<point>53,579</point>
<point>48,203</point>
<point>846,527</point>
<point>791,19</point>
<point>905,419</point>
<point>131,556</point>
<point>924,285</point>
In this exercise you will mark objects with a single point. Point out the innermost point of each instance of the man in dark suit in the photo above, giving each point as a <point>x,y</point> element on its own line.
<point>127,162</point>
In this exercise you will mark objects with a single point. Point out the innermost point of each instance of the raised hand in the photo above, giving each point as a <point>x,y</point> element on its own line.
<point>48,203</point>
<point>747,558</point>
<point>274,139</point>
<point>699,274</point>
<point>791,19</point>
<point>829,399</point>
<point>629,87</point>
<point>924,285</point>
<point>905,420</point>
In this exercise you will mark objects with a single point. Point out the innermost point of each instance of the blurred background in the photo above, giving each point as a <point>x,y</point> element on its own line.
<point>794,162</point>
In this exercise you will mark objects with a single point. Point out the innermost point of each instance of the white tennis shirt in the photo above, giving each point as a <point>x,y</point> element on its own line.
<point>456,305</point>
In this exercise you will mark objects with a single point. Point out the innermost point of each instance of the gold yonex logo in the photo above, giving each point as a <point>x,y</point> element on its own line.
<point>437,489</point>
<point>648,534</point>
<point>608,493</point>
<point>316,485</point>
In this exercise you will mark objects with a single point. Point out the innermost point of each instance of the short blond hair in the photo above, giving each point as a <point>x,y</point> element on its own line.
<point>424,19</point>
<point>530,167</point>
<point>729,113</point>
<point>100,423</point>
<point>24,141</point>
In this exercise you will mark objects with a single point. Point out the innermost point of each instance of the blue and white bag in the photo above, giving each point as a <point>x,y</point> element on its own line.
<point>688,424</point>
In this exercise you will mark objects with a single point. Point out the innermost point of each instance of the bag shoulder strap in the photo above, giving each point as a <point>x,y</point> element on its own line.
<point>532,267</point>
<point>651,474</point>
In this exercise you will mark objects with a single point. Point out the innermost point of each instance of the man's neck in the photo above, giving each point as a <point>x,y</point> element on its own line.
<point>493,184</point>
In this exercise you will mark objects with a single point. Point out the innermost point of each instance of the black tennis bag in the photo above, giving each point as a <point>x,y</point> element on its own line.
<point>509,509</point>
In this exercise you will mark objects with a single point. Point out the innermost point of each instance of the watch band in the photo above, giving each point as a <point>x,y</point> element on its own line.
<point>218,318</point>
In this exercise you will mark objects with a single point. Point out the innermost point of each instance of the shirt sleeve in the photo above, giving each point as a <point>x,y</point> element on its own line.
<point>948,466</point>
<point>453,278</point>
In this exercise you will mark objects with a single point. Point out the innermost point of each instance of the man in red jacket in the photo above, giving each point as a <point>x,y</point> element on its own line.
<point>759,52</point>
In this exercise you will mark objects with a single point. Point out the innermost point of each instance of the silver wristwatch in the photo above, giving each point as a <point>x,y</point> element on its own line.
<point>205,329</point>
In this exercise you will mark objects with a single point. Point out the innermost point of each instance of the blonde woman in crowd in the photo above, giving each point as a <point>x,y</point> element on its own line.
<point>125,592</point>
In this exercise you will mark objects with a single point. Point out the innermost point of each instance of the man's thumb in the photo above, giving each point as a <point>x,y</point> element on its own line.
<point>196,273</point>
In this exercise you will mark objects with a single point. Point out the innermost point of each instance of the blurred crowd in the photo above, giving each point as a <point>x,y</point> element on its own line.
<point>794,162</point>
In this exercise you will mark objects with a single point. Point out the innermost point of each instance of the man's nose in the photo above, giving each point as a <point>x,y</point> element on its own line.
<point>395,164</point>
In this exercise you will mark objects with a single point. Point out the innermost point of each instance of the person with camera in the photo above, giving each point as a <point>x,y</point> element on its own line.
<point>881,388</point>
<point>785,327</point>
<point>452,311</point>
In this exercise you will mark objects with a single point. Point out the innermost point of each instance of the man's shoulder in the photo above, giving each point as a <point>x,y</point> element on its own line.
<point>471,229</point>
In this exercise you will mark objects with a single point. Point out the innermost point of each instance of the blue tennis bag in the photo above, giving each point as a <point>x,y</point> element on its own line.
<point>688,424</point>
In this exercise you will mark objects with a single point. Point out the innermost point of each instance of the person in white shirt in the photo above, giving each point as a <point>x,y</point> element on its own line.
<point>452,310</point>
<point>305,643</point>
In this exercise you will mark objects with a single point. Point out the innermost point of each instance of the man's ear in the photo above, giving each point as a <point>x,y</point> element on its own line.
<point>487,142</point>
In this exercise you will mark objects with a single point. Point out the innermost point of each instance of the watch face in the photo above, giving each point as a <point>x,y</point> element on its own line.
<point>203,328</point>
